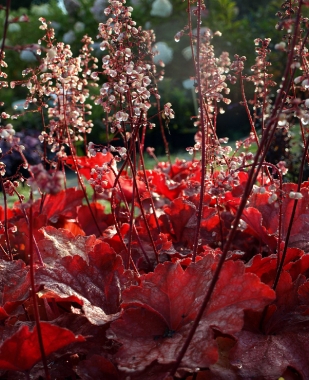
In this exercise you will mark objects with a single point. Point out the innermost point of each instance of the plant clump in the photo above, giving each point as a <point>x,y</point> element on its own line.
<point>195,268</point>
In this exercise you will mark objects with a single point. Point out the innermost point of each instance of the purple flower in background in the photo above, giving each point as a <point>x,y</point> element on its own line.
<point>98,10</point>
<point>32,152</point>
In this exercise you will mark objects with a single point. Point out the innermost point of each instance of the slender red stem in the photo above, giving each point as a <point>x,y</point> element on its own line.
<point>6,222</point>
<point>33,292</point>
<point>204,133</point>
<point>5,28</point>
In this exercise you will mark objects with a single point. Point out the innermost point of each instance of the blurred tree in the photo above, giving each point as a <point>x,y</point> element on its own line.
<point>246,7</point>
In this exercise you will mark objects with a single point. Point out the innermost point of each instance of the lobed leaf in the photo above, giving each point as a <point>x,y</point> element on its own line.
<point>14,286</point>
<point>21,351</point>
<point>158,314</point>
<point>96,286</point>
<point>58,243</point>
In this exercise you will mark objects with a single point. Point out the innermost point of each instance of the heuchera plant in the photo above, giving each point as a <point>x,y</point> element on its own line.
<point>196,269</point>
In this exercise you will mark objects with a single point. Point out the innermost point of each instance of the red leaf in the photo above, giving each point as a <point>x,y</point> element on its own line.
<point>286,313</point>
<point>21,351</point>
<point>127,184</point>
<point>300,266</point>
<point>296,262</point>
<point>268,211</point>
<point>210,225</point>
<point>86,221</point>
<point>19,240</point>
<point>263,267</point>
<point>62,204</point>
<point>284,340</point>
<point>14,286</point>
<point>157,316</point>
<point>97,286</point>
<point>239,189</point>
<point>85,164</point>
<point>181,169</point>
<point>165,186</point>
<point>111,236</point>
<point>70,225</point>
<point>299,233</point>
<point>124,186</point>
<point>254,220</point>
<point>59,243</point>
<point>107,180</point>
<point>183,218</point>
<point>2,214</point>
<point>96,344</point>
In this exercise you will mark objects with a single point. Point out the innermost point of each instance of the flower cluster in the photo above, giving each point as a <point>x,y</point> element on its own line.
<point>99,175</point>
<point>213,72</point>
<point>63,79</point>
<point>128,67</point>
<point>6,131</point>
<point>44,181</point>
<point>261,78</point>
<point>10,187</point>
<point>3,83</point>
<point>213,88</point>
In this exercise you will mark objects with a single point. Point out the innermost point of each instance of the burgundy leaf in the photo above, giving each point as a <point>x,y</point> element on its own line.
<point>158,314</point>
<point>222,370</point>
<point>284,340</point>
<point>58,243</point>
<point>287,312</point>
<point>97,367</point>
<point>267,356</point>
<point>97,286</point>
<point>303,293</point>
<point>14,286</point>
<point>299,233</point>
<point>269,212</point>
<point>183,218</point>
<point>253,219</point>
